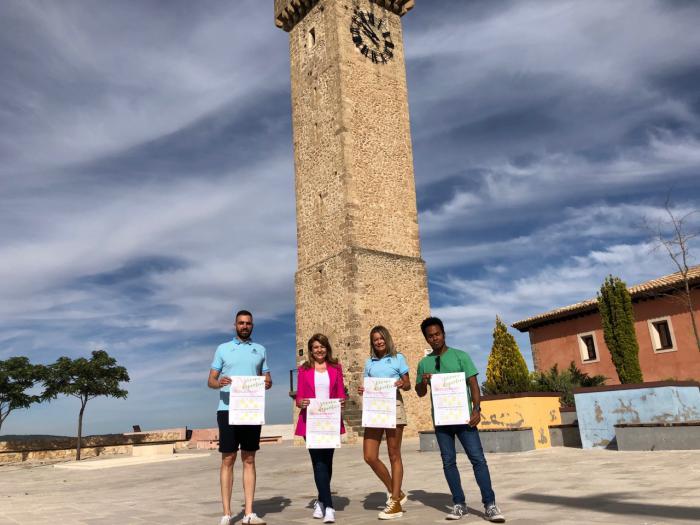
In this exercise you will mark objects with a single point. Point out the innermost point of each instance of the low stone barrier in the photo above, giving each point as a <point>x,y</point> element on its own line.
<point>565,435</point>
<point>152,449</point>
<point>64,448</point>
<point>495,440</point>
<point>62,454</point>
<point>658,436</point>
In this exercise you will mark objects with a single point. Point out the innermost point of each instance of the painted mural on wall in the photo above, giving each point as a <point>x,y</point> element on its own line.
<point>599,410</point>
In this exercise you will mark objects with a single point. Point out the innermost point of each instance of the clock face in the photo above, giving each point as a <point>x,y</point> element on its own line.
<point>372,37</point>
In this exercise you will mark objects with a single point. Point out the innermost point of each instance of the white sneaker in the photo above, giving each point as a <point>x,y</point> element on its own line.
<point>225,520</point>
<point>329,516</point>
<point>253,519</point>
<point>318,510</point>
<point>458,511</point>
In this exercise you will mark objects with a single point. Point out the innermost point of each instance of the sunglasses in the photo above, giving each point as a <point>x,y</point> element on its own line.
<point>437,363</point>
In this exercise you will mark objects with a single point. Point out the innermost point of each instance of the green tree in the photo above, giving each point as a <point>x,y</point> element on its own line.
<point>17,375</point>
<point>615,307</point>
<point>506,372</point>
<point>86,379</point>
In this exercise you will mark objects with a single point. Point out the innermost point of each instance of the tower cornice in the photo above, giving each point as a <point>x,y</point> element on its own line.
<point>289,12</point>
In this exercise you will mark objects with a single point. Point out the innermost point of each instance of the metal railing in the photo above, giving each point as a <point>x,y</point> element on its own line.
<point>292,389</point>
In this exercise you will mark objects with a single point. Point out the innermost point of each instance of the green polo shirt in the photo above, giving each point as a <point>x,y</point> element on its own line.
<point>451,361</point>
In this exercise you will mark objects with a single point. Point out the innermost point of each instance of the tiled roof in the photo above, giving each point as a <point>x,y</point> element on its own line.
<point>591,305</point>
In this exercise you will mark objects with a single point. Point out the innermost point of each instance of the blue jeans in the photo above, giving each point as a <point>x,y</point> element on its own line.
<point>469,438</point>
<point>322,461</point>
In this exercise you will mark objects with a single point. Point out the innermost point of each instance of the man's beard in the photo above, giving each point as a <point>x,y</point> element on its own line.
<point>243,335</point>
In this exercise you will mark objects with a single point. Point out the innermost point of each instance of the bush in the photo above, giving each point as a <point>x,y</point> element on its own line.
<point>564,382</point>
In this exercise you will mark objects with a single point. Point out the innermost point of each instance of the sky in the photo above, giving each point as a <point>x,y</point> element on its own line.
<point>147,171</point>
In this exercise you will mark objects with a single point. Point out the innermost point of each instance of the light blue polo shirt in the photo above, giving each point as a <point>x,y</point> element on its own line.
<point>238,358</point>
<point>387,366</point>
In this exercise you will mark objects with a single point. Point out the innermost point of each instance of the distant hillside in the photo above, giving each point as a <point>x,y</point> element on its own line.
<point>27,437</point>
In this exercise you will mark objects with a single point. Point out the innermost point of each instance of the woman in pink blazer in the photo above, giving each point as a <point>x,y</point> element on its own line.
<point>320,377</point>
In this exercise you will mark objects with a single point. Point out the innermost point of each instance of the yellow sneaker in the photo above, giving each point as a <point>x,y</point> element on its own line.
<point>402,498</point>
<point>392,511</point>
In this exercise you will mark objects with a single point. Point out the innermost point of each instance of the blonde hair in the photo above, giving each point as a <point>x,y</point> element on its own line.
<point>323,340</point>
<point>390,348</point>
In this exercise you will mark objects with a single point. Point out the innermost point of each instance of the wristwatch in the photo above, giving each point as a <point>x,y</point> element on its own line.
<point>477,407</point>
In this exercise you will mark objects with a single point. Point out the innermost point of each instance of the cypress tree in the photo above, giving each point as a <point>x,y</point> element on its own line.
<point>615,307</point>
<point>506,372</point>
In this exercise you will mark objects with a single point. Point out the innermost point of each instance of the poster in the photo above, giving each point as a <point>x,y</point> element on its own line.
<point>323,423</point>
<point>379,402</point>
<point>450,402</point>
<point>246,404</point>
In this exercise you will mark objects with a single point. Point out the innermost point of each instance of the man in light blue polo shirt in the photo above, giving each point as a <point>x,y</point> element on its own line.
<point>239,357</point>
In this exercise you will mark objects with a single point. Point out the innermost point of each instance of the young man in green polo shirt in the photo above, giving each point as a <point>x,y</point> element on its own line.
<point>445,360</point>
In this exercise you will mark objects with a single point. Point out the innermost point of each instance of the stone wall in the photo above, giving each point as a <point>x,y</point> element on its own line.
<point>64,448</point>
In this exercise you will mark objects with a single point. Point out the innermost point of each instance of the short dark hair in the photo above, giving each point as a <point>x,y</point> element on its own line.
<point>431,321</point>
<point>243,312</point>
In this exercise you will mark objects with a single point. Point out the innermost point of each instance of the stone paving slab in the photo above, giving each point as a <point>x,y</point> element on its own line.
<point>561,485</point>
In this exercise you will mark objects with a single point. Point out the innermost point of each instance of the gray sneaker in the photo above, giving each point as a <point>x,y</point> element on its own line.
<point>493,514</point>
<point>458,511</point>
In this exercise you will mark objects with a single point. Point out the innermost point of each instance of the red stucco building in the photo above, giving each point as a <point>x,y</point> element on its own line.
<point>667,347</point>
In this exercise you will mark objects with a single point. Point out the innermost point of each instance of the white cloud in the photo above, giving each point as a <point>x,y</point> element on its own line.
<point>475,303</point>
<point>557,177</point>
<point>126,75</point>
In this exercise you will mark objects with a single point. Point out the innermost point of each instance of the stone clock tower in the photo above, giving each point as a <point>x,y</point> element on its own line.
<point>359,260</point>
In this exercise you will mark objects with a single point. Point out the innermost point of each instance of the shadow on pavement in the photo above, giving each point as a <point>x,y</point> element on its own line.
<point>339,502</point>
<point>265,506</point>
<point>613,504</point>
<point>439,501</point>
<point>374,501</point>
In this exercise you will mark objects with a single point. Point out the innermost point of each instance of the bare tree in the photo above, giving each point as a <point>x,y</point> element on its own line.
<point>674,236</point>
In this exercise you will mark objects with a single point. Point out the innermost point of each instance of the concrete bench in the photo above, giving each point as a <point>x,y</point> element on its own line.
<point>658,436</point>
<point>492,440</point>
<point>565,435</point>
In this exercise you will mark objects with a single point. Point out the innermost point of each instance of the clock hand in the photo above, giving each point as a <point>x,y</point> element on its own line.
<point>367,27</point>
<point>371,35</point>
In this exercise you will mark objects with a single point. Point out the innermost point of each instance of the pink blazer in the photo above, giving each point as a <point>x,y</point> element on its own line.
<point>307,390</point>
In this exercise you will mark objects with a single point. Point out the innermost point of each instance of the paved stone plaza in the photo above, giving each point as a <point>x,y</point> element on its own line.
<point>558,485</point>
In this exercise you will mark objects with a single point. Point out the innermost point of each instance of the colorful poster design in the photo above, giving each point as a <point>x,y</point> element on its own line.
<point>323,423</point>
<point>379,402</point>
<point>450,402</point>
<point>247,400</point>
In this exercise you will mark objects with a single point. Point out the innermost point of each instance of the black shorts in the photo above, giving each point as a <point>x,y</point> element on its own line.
<point>231,437</point>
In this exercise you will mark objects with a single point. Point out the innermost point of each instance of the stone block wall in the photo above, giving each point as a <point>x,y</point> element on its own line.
<point>359,260</point>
